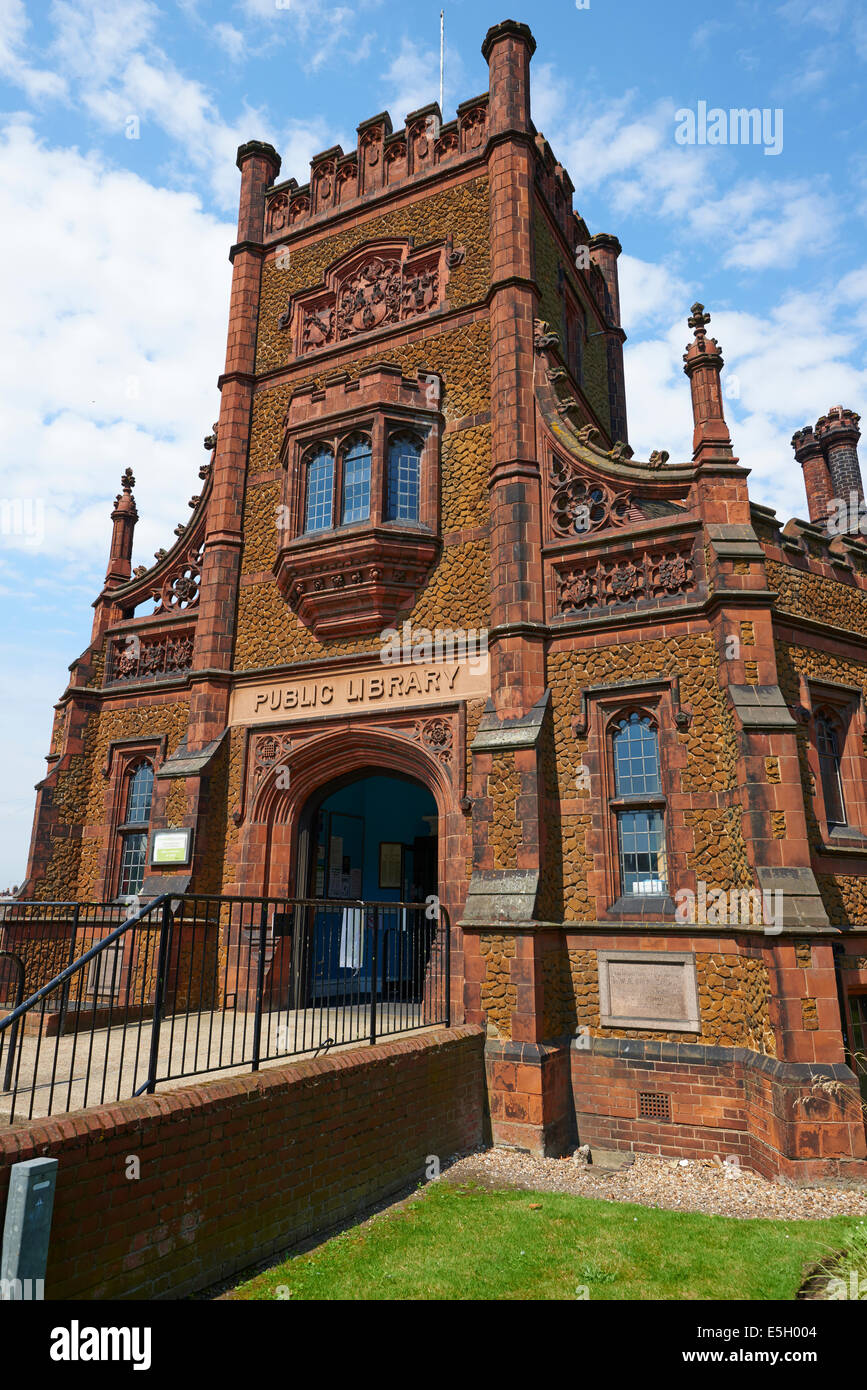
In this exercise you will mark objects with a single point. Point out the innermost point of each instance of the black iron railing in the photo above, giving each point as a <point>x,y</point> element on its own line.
<point>195,984</point>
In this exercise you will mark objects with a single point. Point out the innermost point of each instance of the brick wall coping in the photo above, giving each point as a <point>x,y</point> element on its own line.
<point>33,1138</point>
<point>655,926</point>
<point>703,1054</point>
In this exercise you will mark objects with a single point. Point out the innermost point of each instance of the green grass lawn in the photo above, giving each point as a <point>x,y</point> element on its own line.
<point>468,1243</point>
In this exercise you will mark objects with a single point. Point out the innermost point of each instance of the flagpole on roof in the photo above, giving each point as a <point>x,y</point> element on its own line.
<point>442,55</point>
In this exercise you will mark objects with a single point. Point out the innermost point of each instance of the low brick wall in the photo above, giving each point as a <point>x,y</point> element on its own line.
<point>235,1170</point>
<point>721,1100</point>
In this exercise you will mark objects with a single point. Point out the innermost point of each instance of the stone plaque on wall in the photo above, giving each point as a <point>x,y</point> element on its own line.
<point>649,989</point>
<point>360,688</point>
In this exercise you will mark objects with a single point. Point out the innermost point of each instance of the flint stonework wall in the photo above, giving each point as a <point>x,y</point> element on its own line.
<point>718,855</point>
<point>814,596</point>
<point>550,265</point>
<point>461,211</point>
<point>457,593</point>
<point>73,870</point>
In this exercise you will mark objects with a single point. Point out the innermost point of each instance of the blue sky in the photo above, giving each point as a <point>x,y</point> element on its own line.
<point>115,275</point>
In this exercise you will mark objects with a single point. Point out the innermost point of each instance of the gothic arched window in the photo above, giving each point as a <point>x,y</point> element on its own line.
<point>639,806</point>
<point>830,748</point>
<point>134,830</point>
<point>403,492</point>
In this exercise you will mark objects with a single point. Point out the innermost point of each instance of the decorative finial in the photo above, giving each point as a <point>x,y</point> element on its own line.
<point>699,320</point>
<point>127,481</point>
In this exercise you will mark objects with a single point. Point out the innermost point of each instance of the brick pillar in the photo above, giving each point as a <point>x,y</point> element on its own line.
<point>604,251</point>
<point>703,363</point>
<point>529,1095</point>
<point>215,629</point>
<point>817,479</point>
<point>124,518</point>
<point>838,434</point>
<point>517,612</point>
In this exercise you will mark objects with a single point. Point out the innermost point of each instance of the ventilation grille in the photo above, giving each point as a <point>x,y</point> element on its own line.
<point>654,1105</point>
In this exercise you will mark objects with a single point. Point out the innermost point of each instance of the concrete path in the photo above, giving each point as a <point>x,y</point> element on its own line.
<point>75,1070</point>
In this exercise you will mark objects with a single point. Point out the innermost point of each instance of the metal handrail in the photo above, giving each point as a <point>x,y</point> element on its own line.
<point>19,993</point>
<point>79,964</point>
<point>225,984</point>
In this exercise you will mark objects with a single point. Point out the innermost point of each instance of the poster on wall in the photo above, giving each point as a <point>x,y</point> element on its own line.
<point>390,863</point>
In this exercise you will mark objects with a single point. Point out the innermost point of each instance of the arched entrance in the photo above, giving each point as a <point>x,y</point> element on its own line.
<point>404,796</point>
<point>367,837</point>
<point>371,835</point>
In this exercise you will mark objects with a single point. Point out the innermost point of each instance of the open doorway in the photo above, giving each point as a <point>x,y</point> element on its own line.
<point>369,838</point>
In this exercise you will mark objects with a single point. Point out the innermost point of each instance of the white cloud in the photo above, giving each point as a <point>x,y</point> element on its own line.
<point>116,302</point>
<point>706,33</point>
<point>827,14</point>
<point>107,59</point>
<point>549,95</point>
<point>648,292</point>
<point>38,83</point>
<point>799,226</point>
<point>231,40</point>
<point>787,367</point>
<point>712,197</point>
<point>657,400</point>
<point>412,80</point>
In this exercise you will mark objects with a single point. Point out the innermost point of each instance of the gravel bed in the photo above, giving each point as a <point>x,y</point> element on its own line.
<point>702,1185</point>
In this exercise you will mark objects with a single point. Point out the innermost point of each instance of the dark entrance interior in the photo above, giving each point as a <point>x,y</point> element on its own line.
<point>369,838</point>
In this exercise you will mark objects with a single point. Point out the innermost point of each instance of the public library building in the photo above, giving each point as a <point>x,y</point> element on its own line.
<point>432,630</point>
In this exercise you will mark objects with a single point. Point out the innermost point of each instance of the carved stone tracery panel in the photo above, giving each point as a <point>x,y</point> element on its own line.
<point>581,504</point>
<point>385,284</point>
<point>661,572</point>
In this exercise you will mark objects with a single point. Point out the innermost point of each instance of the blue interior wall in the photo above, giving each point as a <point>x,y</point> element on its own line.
<point>393,810</point>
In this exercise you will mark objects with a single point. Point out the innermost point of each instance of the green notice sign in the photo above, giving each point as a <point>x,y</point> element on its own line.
<point>171,847</point>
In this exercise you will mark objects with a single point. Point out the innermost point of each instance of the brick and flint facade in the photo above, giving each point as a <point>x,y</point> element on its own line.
<point>434,286</point>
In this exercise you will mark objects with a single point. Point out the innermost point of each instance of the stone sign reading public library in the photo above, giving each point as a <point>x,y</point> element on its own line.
<point>423,425</point>
<point>356,690</point>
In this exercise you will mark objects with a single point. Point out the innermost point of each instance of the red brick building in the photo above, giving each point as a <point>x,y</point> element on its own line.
<point>622,733</point>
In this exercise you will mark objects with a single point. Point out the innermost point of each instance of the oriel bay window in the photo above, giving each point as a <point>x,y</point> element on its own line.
<point>359,520</point>
<point>351,480</point>
<point>638,807</point>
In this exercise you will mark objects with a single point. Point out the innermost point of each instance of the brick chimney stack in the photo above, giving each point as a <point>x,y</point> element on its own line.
<point>124,517</point>
<point>817,479</point>
<point>828,454</point>
<point>838,434</point>
<point>604,251</point>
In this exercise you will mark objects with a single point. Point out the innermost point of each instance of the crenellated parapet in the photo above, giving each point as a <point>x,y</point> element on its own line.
<point>556,187</point>
<point>383,158</point>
